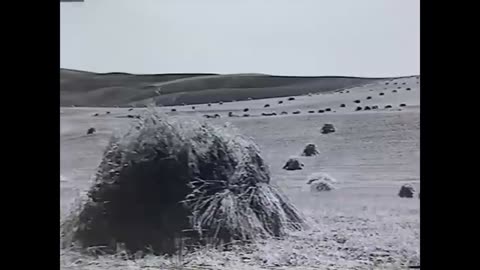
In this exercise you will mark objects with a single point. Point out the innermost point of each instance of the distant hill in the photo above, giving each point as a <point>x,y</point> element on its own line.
<point>81,88</point>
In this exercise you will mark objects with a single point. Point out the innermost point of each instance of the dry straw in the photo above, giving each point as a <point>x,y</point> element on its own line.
<point>165,179</point>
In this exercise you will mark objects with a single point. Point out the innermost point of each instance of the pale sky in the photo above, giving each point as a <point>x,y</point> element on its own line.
<point>372,38</point>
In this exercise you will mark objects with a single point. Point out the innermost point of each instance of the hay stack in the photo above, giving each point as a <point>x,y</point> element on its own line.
<point>91,131</point>
<point>320,177</point>
<point>211,116</point>
<point>293,164</point>
<point>311,111</point>
<point>168,180</point>
<point>406,191</point>
<point>310,150</point>
<point>296,112</point>
<point>291,98</point>
<point>328,128</point>
<point>319,186</point>
<point>280,101</point>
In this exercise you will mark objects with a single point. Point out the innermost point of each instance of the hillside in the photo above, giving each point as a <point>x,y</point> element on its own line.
<point>82,88</point>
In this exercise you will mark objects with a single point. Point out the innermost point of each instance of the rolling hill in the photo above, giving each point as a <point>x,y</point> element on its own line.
<point>81,88</point>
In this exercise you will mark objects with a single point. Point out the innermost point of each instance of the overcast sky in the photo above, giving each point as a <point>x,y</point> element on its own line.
<point>280,37</point>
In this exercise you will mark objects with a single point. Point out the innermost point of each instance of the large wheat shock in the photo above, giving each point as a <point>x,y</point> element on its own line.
<point>165,179</point>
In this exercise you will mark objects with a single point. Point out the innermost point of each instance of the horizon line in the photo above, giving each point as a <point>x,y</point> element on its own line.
<point>220,74</point>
